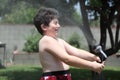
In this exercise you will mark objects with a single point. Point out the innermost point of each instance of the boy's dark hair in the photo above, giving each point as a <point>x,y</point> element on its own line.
<point>44,16</point>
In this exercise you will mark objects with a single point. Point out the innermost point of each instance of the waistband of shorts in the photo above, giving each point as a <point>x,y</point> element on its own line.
<point>56,73</point>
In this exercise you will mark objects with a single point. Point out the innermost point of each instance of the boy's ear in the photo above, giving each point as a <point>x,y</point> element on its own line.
<point>43,27</point>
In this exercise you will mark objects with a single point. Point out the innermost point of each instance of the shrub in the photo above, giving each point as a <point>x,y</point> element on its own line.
<point>31,44</point>
<point>74,40</point>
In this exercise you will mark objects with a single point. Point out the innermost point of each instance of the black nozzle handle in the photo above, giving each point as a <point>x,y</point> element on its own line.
<point>98,49</point>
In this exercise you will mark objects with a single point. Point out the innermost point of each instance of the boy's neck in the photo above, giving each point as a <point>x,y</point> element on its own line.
<point>51,36</point>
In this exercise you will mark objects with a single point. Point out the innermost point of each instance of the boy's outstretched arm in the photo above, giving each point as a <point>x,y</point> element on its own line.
<point>80,53</point>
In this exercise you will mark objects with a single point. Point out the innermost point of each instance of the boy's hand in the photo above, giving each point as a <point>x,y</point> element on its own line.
<point>98,67</point>
<point>97,59</point>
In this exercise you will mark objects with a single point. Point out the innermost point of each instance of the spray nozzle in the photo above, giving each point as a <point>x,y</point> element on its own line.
<point>100,52</point>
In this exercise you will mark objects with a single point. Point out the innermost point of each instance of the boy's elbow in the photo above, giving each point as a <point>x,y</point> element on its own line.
<point>67,60</point>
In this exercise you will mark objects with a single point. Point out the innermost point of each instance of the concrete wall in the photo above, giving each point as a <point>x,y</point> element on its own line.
<point>14,35</point>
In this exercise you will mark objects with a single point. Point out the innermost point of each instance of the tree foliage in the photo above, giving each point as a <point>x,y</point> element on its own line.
<point>11,11</point>
<point>21,14</point>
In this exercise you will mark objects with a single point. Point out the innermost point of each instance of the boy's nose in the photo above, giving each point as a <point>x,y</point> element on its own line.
<point>58,25</point>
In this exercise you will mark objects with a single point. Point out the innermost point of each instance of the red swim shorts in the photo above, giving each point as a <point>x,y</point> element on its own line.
<point>57,75</point>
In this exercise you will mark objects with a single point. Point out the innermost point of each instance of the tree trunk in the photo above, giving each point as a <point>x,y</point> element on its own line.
<point>85,26</point>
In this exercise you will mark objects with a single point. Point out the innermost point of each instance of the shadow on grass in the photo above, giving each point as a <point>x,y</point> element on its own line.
<point>34,73</point>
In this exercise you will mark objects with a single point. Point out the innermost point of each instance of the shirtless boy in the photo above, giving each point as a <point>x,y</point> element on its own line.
<point>56,55</point>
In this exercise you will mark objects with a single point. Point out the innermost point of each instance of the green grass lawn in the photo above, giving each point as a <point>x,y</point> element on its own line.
<point>20,72</point>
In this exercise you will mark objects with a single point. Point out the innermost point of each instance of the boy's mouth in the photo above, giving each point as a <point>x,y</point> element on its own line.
<point>56,29</point>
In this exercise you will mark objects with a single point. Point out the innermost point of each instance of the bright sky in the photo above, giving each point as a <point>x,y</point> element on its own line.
<point>77,7</point>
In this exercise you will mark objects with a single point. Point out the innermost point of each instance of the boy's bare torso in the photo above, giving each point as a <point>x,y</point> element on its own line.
<point>48,61</point>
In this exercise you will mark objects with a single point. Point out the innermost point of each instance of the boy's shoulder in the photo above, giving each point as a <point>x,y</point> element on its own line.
<point>46,39</point>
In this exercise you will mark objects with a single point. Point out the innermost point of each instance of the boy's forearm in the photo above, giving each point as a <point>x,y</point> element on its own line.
<point>82,63</point>
<point>78,62</point>
<point>87,55</point>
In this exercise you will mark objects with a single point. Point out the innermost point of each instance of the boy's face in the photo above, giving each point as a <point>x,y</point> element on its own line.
<point>52,28</point>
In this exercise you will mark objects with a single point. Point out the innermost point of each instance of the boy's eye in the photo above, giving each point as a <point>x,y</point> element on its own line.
<point>56,22</point>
